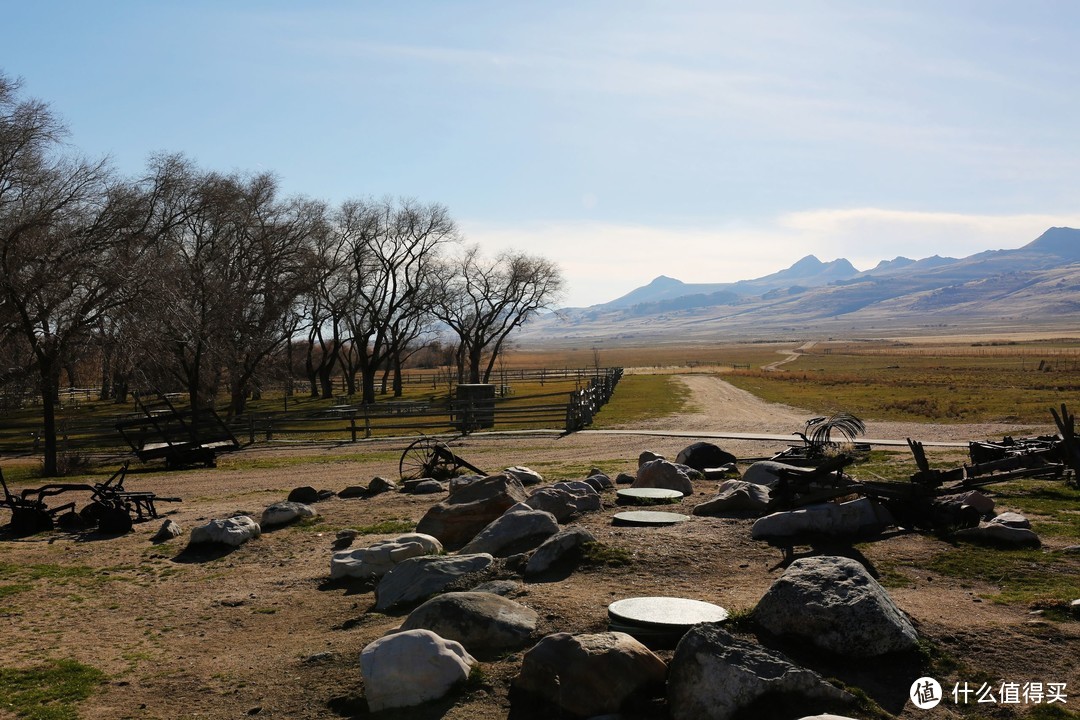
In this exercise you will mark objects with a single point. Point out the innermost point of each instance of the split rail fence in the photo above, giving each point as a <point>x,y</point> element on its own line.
<point>349,423</point>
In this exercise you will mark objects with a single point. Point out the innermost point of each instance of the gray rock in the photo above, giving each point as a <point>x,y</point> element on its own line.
<point>410,668</point>
<point>426,487</point>
<point>461,481</point>
<point>353,491</point>
<point>1013,520</point>
<point>234,531</point>
<point>834,604</point>
<point>499,587</point>
<point>563,504</point>
<point>600,482</point>
<point>458,518</point>
<point>971,498</point>
<point>576,487</point>
<point>767,472</point>
<point>420,577</point>
<point>556,548</point>
<point>624,479</point>
<point>380,485</point>
<point>588,674</point>
<point>648,456</point>
<point>519,528</point>
<point>662,474</point>
<point>166,532</point>
<point>993,533</point>
<point>736,496</point>
<point>524,475</point>
<point>484,623</point>
<point>713,675</point>
<point>305,494</point>
<point>851,519</point>
<point>326,494</point>
<point>378,559</point>
<point>284,513</point>
<point>703,455</point>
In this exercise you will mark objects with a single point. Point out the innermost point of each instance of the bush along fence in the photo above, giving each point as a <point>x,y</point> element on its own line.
<point>492,408</point>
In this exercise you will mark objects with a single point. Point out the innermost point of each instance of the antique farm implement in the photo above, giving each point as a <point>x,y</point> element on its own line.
<point>821,440</point>
<point>430,457</point>
<point>112,508</point>
<point>922,501</point>
<point>179,437</point>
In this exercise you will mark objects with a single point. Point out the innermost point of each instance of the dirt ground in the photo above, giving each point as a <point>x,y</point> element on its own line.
<point>184,635</point>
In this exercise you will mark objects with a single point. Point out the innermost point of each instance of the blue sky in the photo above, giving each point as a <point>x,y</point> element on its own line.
<point>707,141</point>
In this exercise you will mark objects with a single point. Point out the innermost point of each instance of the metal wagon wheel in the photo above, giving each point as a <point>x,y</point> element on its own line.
<point>426,457</point>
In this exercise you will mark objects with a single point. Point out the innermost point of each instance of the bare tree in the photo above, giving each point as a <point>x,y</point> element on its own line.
<point>72,244</point>
<point>231,279</point>
<point>484,301</point>
<point>395,247</point>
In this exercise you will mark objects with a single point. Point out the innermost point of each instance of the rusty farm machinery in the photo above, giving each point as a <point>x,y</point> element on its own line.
<point>112,508</point>
<point>924,501</point>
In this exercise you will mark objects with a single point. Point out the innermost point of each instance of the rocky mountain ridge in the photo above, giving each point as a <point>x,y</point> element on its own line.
<point>1034,285</point>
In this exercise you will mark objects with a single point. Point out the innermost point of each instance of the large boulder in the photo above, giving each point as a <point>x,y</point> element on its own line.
<point>168,530</point>
<point>662,474</point>
<point>563,504</point>
<point>376,560</point>
<point>851,519</point>
<point>736,496</point>
<point>420,577</point>
<point>234,531</point>
<point>380,485</point>
<point>588,675</point>
<point>833,603</point>
<point>702,455</point>
<point>517,530</point>
<point>304,494</point>
<point>713,675</point>
<point>558,547</point>
<point>410,668</point>
<point>283,513</point>
<point>469,509</point>
<point>485,623</point>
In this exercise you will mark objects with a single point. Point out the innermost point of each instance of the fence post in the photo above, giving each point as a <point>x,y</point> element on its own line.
<point>367,423</point>
<point>352,425</point>
<point>269,429</point>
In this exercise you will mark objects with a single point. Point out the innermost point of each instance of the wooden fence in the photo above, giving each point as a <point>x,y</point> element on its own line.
<point>350,423</point>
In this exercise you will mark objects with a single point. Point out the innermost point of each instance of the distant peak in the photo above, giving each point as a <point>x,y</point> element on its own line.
<point>665,280</point>
<point>808,261</point>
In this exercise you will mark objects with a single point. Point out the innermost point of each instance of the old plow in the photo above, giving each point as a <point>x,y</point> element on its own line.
<point>112,509</point>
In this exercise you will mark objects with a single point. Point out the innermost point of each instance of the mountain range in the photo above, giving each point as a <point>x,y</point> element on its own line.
<point>1031,287</point>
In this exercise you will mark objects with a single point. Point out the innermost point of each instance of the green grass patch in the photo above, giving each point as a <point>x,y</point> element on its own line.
<point>1051,712</point>
<point>387,527</point>
<point>600,555</point>
<point>11,571</point>
<point>7,591</point>
<point>644,397</point>
<point>1023,576</point>
<point>48,691</point>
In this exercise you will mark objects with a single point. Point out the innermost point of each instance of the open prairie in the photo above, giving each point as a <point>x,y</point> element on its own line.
<point>120,627</point>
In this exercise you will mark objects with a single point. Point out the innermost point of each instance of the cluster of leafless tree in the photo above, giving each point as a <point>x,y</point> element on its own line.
<point>192,279</point>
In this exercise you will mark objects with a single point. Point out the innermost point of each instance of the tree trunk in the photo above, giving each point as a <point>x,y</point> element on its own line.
<point>398,389</point>
<point>50,382</point>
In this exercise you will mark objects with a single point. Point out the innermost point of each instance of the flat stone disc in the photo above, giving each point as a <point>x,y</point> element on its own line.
<point>648,495</point>
<point>648,517</point>
<point>664,612</point>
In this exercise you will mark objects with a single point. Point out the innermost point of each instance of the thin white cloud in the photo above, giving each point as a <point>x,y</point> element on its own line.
<point>602,261</point>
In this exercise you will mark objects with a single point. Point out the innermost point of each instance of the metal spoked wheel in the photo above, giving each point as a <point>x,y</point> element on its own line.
<point>426,457</point>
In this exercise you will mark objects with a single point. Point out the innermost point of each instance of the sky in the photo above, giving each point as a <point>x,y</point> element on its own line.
<point>707,141</point>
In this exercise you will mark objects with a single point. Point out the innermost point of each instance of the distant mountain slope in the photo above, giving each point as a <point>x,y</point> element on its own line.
<point>1038,283</point>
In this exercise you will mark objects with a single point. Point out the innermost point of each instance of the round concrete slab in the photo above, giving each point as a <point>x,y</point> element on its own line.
<point>648,518</point>
<point>646,496</point>
<point>664,612</point>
